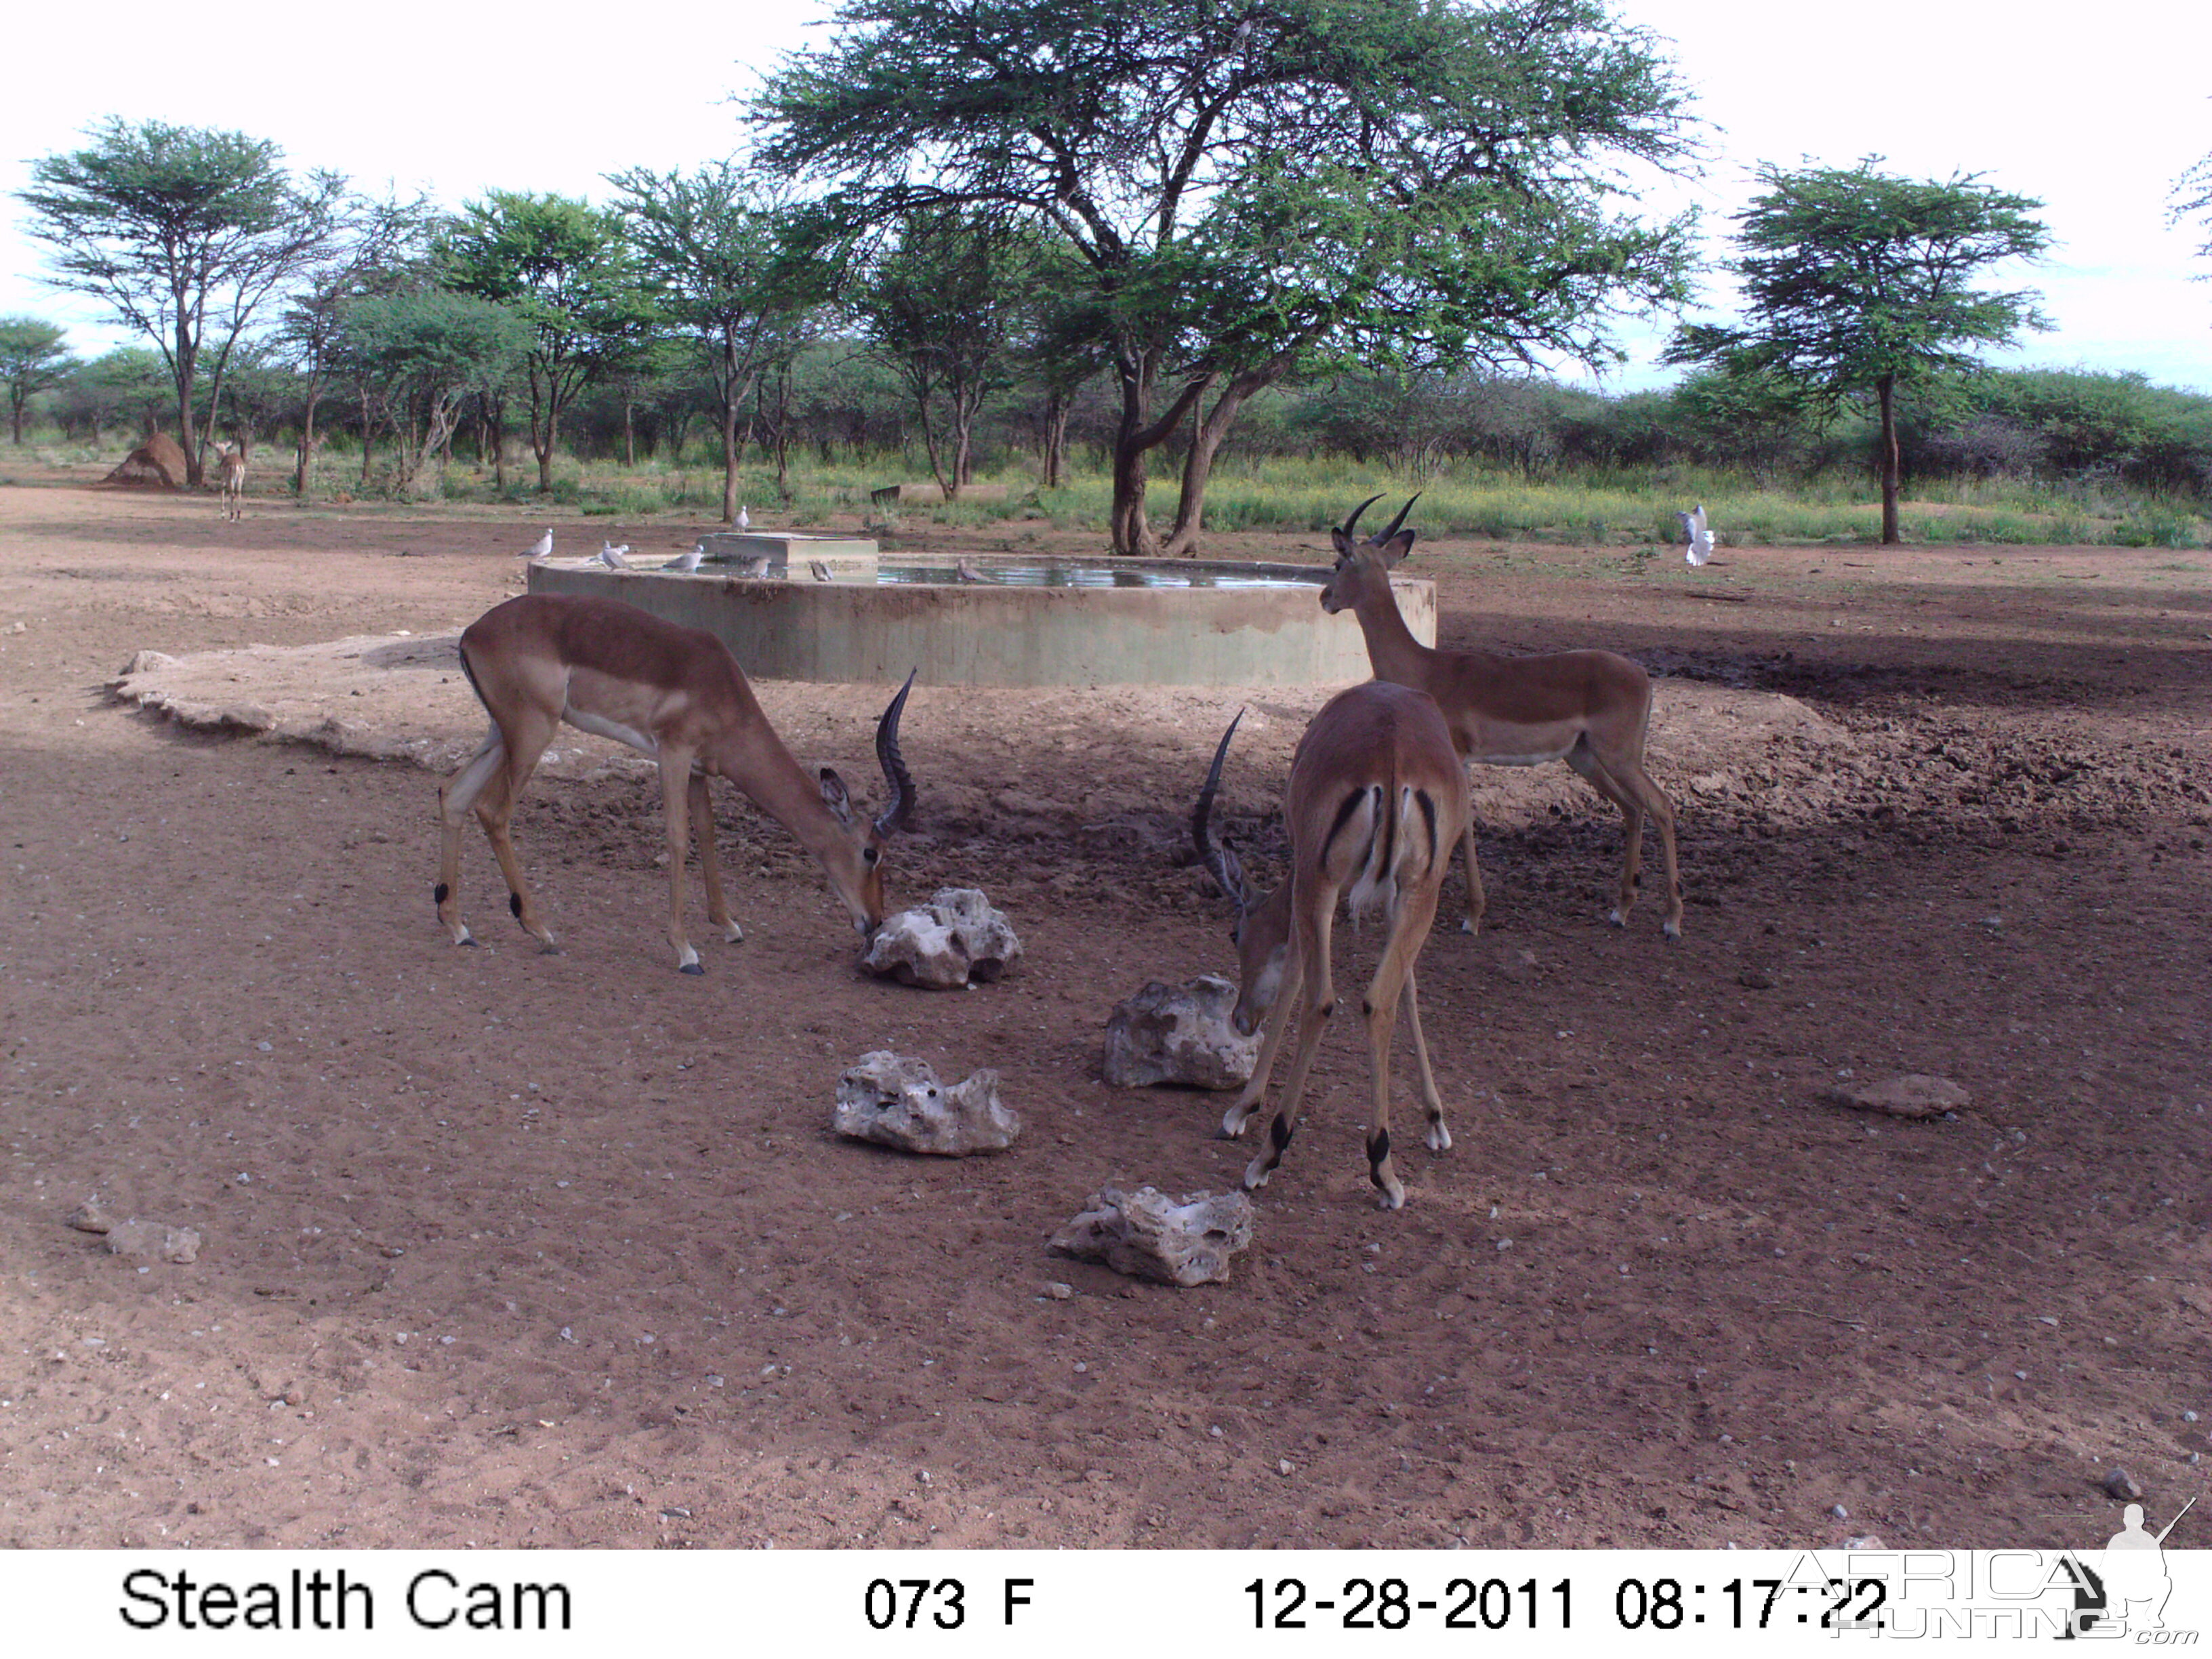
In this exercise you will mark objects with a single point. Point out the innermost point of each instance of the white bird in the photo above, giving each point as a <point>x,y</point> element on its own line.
<point>744,519</point>
<point>611,557</point>
<point>687,561</point>
<point>820,570</point>
<point>542,548</point>
<point>1700,539</point>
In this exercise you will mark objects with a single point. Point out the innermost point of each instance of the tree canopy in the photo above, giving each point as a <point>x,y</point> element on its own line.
<point>181,231</point>
<point>34,355</point>
<point>1857,283</point>
<point>1254,191</point>
<point>565,267</point>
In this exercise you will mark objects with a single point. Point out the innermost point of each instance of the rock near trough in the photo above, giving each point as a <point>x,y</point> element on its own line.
<point>897,1102</point>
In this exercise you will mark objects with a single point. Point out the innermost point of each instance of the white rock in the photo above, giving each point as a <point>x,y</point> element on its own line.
<point>148,1239</point>
<point>1146,1235</point>
<point>898,1102</point>
<point>1179,1034</point>
<point>955,941</point>
<point>1913,1094</point>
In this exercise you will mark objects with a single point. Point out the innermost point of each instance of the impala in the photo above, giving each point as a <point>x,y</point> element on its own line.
<point>1589,708</point>
<point>675,693</point>
<point>1376,798</point>
<point>231,457</point>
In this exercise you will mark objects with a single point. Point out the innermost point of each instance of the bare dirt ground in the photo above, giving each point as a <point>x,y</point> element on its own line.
<point>510,1249</point>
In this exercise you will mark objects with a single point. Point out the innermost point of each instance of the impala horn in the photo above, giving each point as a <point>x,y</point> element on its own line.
<point>898,811</point>
<point>1346,531</point>
<point>1383,535</point>
<point>1217,855</point>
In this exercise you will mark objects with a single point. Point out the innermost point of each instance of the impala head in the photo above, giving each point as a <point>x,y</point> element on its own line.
<point>1358,563</point>
<point>1262,932</point>
<point>857,871</point>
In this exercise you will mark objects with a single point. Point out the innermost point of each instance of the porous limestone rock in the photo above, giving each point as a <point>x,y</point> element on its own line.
<point>898,1102</point>
<point>153,1241</point>
<point>1179,1034</point>
<point>1913,1094</point>
<point>1146,1235</point>
<point>955,941</point>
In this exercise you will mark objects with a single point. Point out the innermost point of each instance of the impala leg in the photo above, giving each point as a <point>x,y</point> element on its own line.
<point>1653,800</point>
<point>1277,1026</point>
<point>1476,902</point>
<point>710,860</point>
<point>1439,1138</point>
<point>675,794</point>
<point>1584,760</point>
<point>454,800</point>
<point>1393,977</point>
<point>1316,1005</point>
<point>496,812</point>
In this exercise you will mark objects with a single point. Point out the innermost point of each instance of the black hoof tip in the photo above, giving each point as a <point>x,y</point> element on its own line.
<point>692,967</point>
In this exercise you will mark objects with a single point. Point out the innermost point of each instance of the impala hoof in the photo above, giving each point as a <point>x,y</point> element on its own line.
<point>1614,916</point>
<point>1395,1200</point>
<point>1673,932</point>
<point>466,937</point>
<point>693,968</point>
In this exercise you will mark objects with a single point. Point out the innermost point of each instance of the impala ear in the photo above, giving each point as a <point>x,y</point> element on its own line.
<point>834,797</point>
<point>1393,552</point>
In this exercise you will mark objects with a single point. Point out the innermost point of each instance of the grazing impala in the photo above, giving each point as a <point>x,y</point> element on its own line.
<point>675,693</point>
<point>1376,798</point>
<point>1589,708</point>
<point>231,457</point>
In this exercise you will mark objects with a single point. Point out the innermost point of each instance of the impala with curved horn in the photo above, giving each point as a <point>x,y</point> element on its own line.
<point>1589,708</point>
<point>670,692</point>
<point>1376,798</point>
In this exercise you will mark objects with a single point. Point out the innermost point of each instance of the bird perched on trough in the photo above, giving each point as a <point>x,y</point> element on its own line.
<point>542,548</point>
<point>969,571</point>
<point>612,557</point>
<point>687,561</point>
<point>754,564</point>
<point>1700,539</point>
<point>821,571</point>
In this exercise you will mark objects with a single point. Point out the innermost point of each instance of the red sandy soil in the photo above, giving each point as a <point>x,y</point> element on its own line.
<point>504,1249</point>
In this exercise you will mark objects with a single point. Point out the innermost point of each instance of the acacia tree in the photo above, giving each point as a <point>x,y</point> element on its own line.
<point>944,306</point>
<point>1252,189</point>
<point>375,247</point>
<point>184,232</point>
<point>718,250</point>
<point>1859,285</point>
<point>32,356</point>
<point>428,352</point>
<point>565,267</point>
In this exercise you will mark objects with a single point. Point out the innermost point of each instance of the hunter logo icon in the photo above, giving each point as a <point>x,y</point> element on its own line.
<point>2127,1590</point>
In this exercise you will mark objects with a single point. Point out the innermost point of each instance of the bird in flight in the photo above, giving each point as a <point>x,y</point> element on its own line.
<point>1701,539</point>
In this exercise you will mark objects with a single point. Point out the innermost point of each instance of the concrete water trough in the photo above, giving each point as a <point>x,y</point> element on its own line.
<point>1012,620</point>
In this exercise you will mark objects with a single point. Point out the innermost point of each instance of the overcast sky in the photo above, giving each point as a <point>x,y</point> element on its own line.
<point>2096,116</point>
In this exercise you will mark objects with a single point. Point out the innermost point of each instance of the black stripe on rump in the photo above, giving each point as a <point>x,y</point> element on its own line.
<point>1429,818</point>
<point>1343,816</point>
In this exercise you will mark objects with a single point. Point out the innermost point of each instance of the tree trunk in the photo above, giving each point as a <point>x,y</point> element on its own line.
<point>1133,535</point>
<point>16,399</point>
<point>1056,436</point>
<point>629,434</point>
<point>1886,387</point>
<point>305,464</point>
<point>368,441</point>
<point>496,413</point>
<point>1205,443</point>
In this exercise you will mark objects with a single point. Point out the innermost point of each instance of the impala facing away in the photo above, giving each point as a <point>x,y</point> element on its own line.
<point>675,693</point>
<point>231,457</point>
<point>1589,708</point>
<point>1376,798</point>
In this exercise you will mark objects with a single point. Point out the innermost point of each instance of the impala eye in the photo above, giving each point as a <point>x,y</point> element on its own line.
<point>870,855</point>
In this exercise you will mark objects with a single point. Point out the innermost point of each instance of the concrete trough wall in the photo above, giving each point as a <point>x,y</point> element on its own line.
<point>986,634</point>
